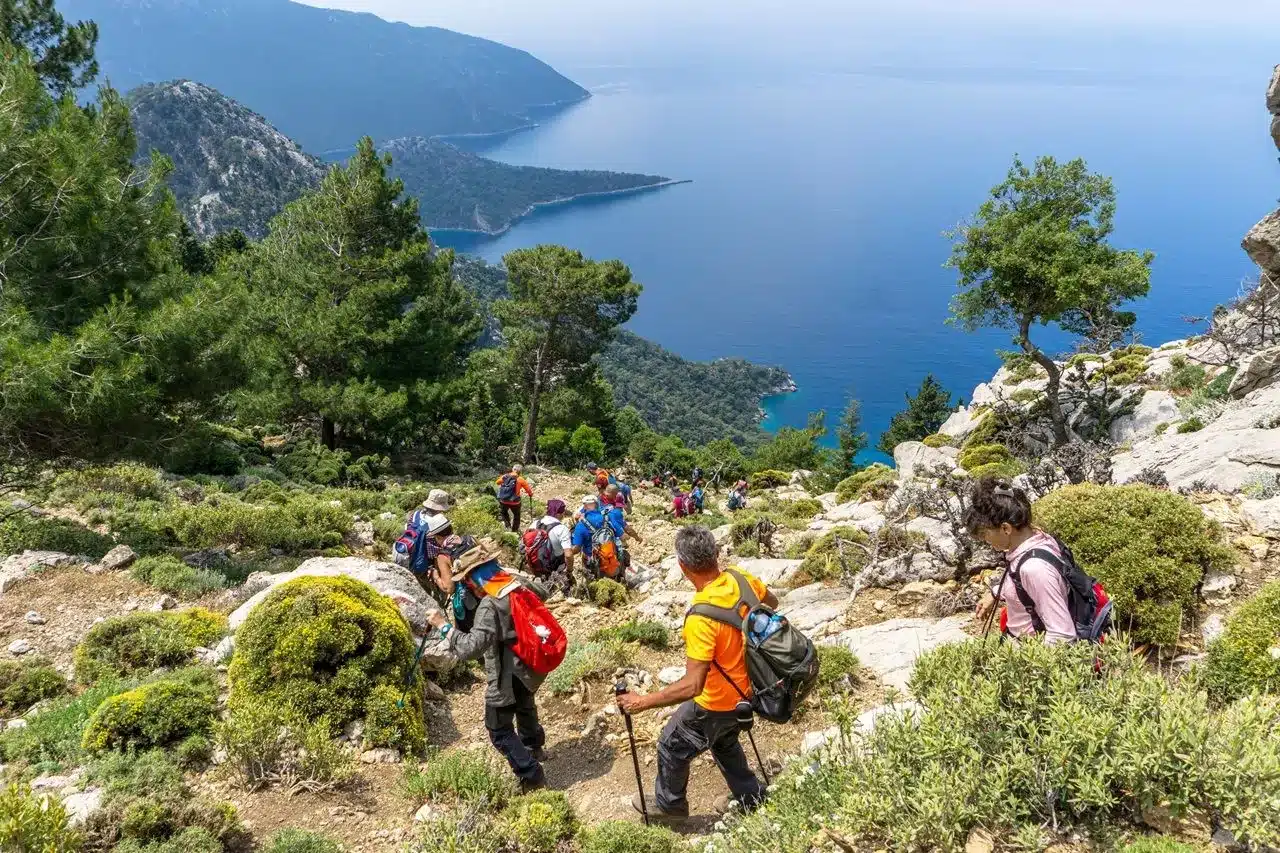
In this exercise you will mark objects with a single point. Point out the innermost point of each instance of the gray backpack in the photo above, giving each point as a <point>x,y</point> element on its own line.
<point>782,663</point>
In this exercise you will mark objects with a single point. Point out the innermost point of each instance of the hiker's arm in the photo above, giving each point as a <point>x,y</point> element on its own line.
<point>471,645</point>
<point>695,678</point>
<point>444,573</point>
<point>630,531</point>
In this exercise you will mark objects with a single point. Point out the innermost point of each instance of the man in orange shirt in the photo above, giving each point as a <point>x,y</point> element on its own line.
<point>511,486</point>
<point>713,651</point>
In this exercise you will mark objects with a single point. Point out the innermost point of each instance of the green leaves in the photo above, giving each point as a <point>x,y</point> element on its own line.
<point>925,413</point>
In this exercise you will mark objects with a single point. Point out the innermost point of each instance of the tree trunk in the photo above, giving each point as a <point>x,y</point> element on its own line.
<point>531,426</point>
<point>1060,435</point>
<point>328,433</point>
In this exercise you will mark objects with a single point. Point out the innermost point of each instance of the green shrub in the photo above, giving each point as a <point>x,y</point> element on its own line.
<point>837,666</point>
<point>136,482</point>
<point>1150,548</point>
<point>1184,377</point>
<point>1162,428</point>
<point>986,431</point>
<point>28,533</point>
<point>621,836</point>
<point>321,647</point>
<point>52,737</point>
<point>194,751</point>
<point>1157,844</point>
<point>142,642</point>
<point>990,460</point>
<point>834,554</point>
<point>479,517</point>
<point>646,632</point>
<point>608,593</point>
<point>193,839</point>
<point>938,440</point>
<point>769,479</point>
<point>586,443</point>
<point>1021,367</point>
<point>1244,658</point>
<point>1191,424</point>
<point>475,777</point>
<point>160,713</point>
<point>748,550</point>
<point>303,522</point>
<point>583,661</point>
<point>469,829</point>
<point>1026,395</point>
<point>1218,387</point>
<point>1011,735</point>
<point>24,683</point>
<point>875,481</point>
<point>538,822</point>
<point>269,744</point>
<point>301,841</point>
<point>799,509</point>
<point>171,575</point>
<point>32,824</point>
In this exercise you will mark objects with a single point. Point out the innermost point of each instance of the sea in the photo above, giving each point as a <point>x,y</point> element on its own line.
<point>812,232</point>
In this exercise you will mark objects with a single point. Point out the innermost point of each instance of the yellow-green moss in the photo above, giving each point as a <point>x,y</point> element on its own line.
<point>142,642</point>
<point>159,714</point>
<point>873,481</point>
<point>1243,659</point>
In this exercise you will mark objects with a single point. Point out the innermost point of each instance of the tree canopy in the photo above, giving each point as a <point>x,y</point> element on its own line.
<point>62,54</point>
<point>926,411</point>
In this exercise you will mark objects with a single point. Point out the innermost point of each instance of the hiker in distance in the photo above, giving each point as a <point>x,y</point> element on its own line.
<point>707,718</point>
<point>511,486</point>
<point>548,546</point>
<point>510,709</point>
<point>1043,589</point>
<point>599,536</point>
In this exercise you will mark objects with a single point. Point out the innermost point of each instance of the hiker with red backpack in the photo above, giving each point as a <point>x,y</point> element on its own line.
<point>1043,589</point>
<point>511,486</point>
<point>548,547</point>
<point>521,643</point>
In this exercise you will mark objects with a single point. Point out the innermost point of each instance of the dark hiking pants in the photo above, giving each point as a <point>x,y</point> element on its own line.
<point>511,517</point>
<point>690,732</point>
<point>503,722</point>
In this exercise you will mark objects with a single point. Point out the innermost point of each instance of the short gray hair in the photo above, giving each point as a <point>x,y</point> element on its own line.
<point>696,549</point>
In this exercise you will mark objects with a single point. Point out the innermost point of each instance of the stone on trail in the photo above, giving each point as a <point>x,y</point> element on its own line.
<point>770,572</point>
<point>815,608</point>
<point>666,607</point>
<point>19,566</point>
<point>34,618</point>
<point>671,674</point>
<point>1263,516</point>
<point>890,648</point>
<point>19,647</point>
<point>119,557</point>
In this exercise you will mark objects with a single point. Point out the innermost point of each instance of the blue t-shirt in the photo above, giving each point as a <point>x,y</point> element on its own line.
<point>582,531</point>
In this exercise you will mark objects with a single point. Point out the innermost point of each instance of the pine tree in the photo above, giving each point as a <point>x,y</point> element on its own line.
<point>924,414</point>
<point>61,53</point>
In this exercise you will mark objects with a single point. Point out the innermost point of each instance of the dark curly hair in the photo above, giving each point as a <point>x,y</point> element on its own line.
<point>994,502</point>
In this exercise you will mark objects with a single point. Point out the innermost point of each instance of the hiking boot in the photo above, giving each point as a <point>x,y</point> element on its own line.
<point>528,786</point>
<point>539,754</point>
<point>728,803</point>
<point>656,812</point>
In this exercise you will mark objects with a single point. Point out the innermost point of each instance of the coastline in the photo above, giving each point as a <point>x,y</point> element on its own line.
<point>538,205</point>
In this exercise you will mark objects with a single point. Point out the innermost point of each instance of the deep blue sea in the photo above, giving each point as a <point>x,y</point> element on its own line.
<point>811,235</point>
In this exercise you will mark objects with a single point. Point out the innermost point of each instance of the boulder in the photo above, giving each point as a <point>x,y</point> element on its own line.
<point>80,806</point>
<point>867,517</point>
<point>19,566</point>
<point>1257,371</point>
<point>1155,408</point>
<point>912,456</point>
<point>828,500</point>
<point>771,572</point>
<point>815,608</point>
<point>671,674</point>
<point>666,607</point>
<point>119,557</point>
<point>20,647</point>
<point>798,478</point>
<point>1275,130</point>
<point>938,535</point>
<point>890,649</point>
<point>960,424</point>
<point>1263,517</point>
<point>1262,243</point>
<point>670,570</point>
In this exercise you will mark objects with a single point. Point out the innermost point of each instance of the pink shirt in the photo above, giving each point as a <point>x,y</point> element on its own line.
<point>1046,587</point>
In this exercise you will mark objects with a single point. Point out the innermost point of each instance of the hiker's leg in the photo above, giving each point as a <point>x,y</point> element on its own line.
<point>725,733</point>
<point>506,517</point>
<point>681,742</point>
<point>531,732</point>
<point>502,732</point>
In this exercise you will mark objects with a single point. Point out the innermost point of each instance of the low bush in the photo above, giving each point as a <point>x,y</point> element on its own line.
<point>142,642</point>
<point>161,713</point>
<point>1127,365</point>
<point>193,839</point>
<point>835,554</point>
<point>801,509</point>
<point>171,575</point>
<point>583,661</point>
<point>301,841</point>
<point>769,479</point>
<point>321,647</point>
<point>938,440</point>
<point>28,533</point>
<point>135,482</point>
<point>1191,424</point>
<point>311,462</point>
<point>24,683</point>
<point>304,522</point>
<point>1021,368</point>
<point>34,824</point>
<point>478,517</point>
<point>52,737</point>
<point>838,667</point>
<point>1026,395</point>
<point>267,744</point>
<point>990,460</point>
<point>1158,844</point>
<point>1012,735</point>
<point>1149,547</point>
<point>462,830</point>
<point>875,481</point>
<point>474,777</point>
<point>1184,377</point>
<point>1244,658</point>
<point>646,632</point>
<point>608,593</point>
<point>622,836</point>
<point>538,822</point>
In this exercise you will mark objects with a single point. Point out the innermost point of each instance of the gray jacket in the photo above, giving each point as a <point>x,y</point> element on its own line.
<point>490,637</point>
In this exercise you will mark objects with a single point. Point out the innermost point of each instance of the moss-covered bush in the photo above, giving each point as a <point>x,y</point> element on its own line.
<point>621,836</point>
<point>769,479</point>
<point>986,432</point>
<point>479,517</point>
<point>833,555</point>
<point>1012,735</point>
<point>989,460</point>
<point>1245,657</point>
<point>171,575</point>
<point>161,713</point>
<point>646,632</point>
<point>301,841</point>
<point>538,822</point>
<point>875,481</point>
<point>24,683</point>
<point>28,533</point>
<point>1184,377</point>
<point>321,647</point>
<point>475,777</point>
<point>52,737</point>
<point>608,593</point>
<point>584,661</point>
<point>135,482</point>
<point>1149,547</point>
<point>938,440</point>
<point>1021,368</point>
<point>1191,424</point>
<point>837,667</point>
<point>1127,365</point>
<point>142,642</point>
<point>303,522</point>
<point>34,824</point>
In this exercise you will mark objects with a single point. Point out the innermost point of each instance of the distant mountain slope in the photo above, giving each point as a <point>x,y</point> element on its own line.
<point>324,77</point>
<point>232,169</point>
<point>459,189</point>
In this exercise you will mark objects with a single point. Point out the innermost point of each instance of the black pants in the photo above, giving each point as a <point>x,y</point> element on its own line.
<point>502,723</point>
<point>511,517</point>
<point>690,732</point>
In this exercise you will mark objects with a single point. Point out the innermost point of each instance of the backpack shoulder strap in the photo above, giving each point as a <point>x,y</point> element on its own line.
<point>1024,597</point>
<point>725,615</point>
<point>746,594</point>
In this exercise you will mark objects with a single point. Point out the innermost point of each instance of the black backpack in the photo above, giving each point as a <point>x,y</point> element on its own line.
<point>507,489</point>
<point>783,667</point>
<point>1088,602</point>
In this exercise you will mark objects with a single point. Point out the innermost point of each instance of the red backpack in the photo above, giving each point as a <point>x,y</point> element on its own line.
<point>538,553</point>
<point>540,642</point>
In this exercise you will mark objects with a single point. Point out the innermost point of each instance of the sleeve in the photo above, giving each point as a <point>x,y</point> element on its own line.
<point>524,486</point>
<point>1045,586</point>
<point>700,638</point>
<point>758,587</point>
<point>561,534</point>
<point>581,536</point>
<point>472,645</point>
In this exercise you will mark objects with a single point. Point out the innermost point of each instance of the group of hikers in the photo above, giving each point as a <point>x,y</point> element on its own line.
<point>743,659</point>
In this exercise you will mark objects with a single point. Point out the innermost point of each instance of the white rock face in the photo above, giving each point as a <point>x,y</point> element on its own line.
<point>1263,516</point>
<point>666,607</point>
<point>912,456</point>
<point>960,424</point>
<point>80,806</point>
<point>867,517</point>
<point>1259,370</point>
<point>1155,408</point>
<point>671,674</point>
<point>771,572</point>
<point>19,566</point>
<point>939,536</point>
<point>814,609</point>
<point>891,648</point>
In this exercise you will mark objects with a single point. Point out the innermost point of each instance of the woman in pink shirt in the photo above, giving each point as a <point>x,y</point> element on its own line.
<point>1000,515</point>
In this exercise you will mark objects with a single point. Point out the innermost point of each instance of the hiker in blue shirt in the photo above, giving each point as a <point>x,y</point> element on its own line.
<point>607,562</point>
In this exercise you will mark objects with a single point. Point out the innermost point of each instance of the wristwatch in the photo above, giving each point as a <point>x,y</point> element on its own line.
<point>445,629</point>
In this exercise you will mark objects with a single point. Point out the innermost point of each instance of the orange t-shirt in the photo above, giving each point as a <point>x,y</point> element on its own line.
<point>707,640</point>
<point>522,487</point>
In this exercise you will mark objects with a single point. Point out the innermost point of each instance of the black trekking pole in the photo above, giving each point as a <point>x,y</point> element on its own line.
<point>747,721</point>
<point>991,617</point>
<point>620,689</point>
<point>413,673</point>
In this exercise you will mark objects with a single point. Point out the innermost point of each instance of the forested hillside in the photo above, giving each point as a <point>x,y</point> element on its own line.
<point>231,168</point>
<point>325,76</point>
<point>458,189</point>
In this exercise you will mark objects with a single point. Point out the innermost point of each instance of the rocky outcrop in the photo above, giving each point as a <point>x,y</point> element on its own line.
<point>1262,243</point>
<point>912,457</point>
<point>19,566</point>
<point>119,557</point>
<point>890,649</point>
<point>1260,370</point>
<point>815,609</point>
<point>1155,408</point>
